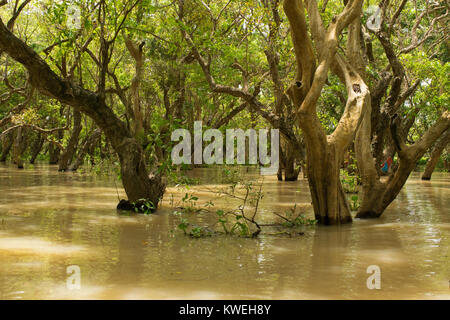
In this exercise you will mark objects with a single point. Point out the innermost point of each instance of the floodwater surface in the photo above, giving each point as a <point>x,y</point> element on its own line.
<point>50,221</point>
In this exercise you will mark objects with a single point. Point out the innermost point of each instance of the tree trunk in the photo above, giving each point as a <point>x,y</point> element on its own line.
<point>378,140</point>
<point>435,155</point>
<point>53,153</point>
<point>288,163</point>
<point>89,142</point>
<point>67,156</point>
<point>291,169</point>
<point>378,195</point>
<point>19,147</point>
<point>36,147</point>
<point>7,142</point>
<point>323,170</point>
<point>136,181</point>
<point>325,154</point>
<point>137,53</point>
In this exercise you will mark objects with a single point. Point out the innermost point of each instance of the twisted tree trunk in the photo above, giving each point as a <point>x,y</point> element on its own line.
<point>378,195</point>
<point>324,161</point>
<point>325,153</point>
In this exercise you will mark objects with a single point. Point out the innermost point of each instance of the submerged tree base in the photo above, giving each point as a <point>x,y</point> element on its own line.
<point>367,215</point>
<point>125,205</point>
<point>328,221</point>
<point>141,206</point>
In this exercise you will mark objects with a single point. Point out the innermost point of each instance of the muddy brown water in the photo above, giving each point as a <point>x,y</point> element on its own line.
<point>50,221</point>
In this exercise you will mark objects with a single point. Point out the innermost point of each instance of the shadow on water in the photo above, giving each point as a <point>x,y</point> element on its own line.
<point>49,221</point>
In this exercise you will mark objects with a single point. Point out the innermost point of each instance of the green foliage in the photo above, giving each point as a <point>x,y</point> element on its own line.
<point>349,182</point>
<point>189,202</point>
<point>354,203</point>
<point>292,219</point>
<point>192,230</point>
<point>144,206</point>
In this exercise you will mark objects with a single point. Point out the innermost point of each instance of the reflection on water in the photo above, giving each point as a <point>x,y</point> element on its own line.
<point>49,221</point>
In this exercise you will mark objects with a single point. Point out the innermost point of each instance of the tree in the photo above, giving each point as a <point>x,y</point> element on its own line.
<point>325,153</point>
<point>386,125</point>
<point>134,173</point>
<point>239,23</point>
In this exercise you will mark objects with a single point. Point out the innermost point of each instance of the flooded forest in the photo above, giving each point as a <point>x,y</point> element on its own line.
<point>224,149</point>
